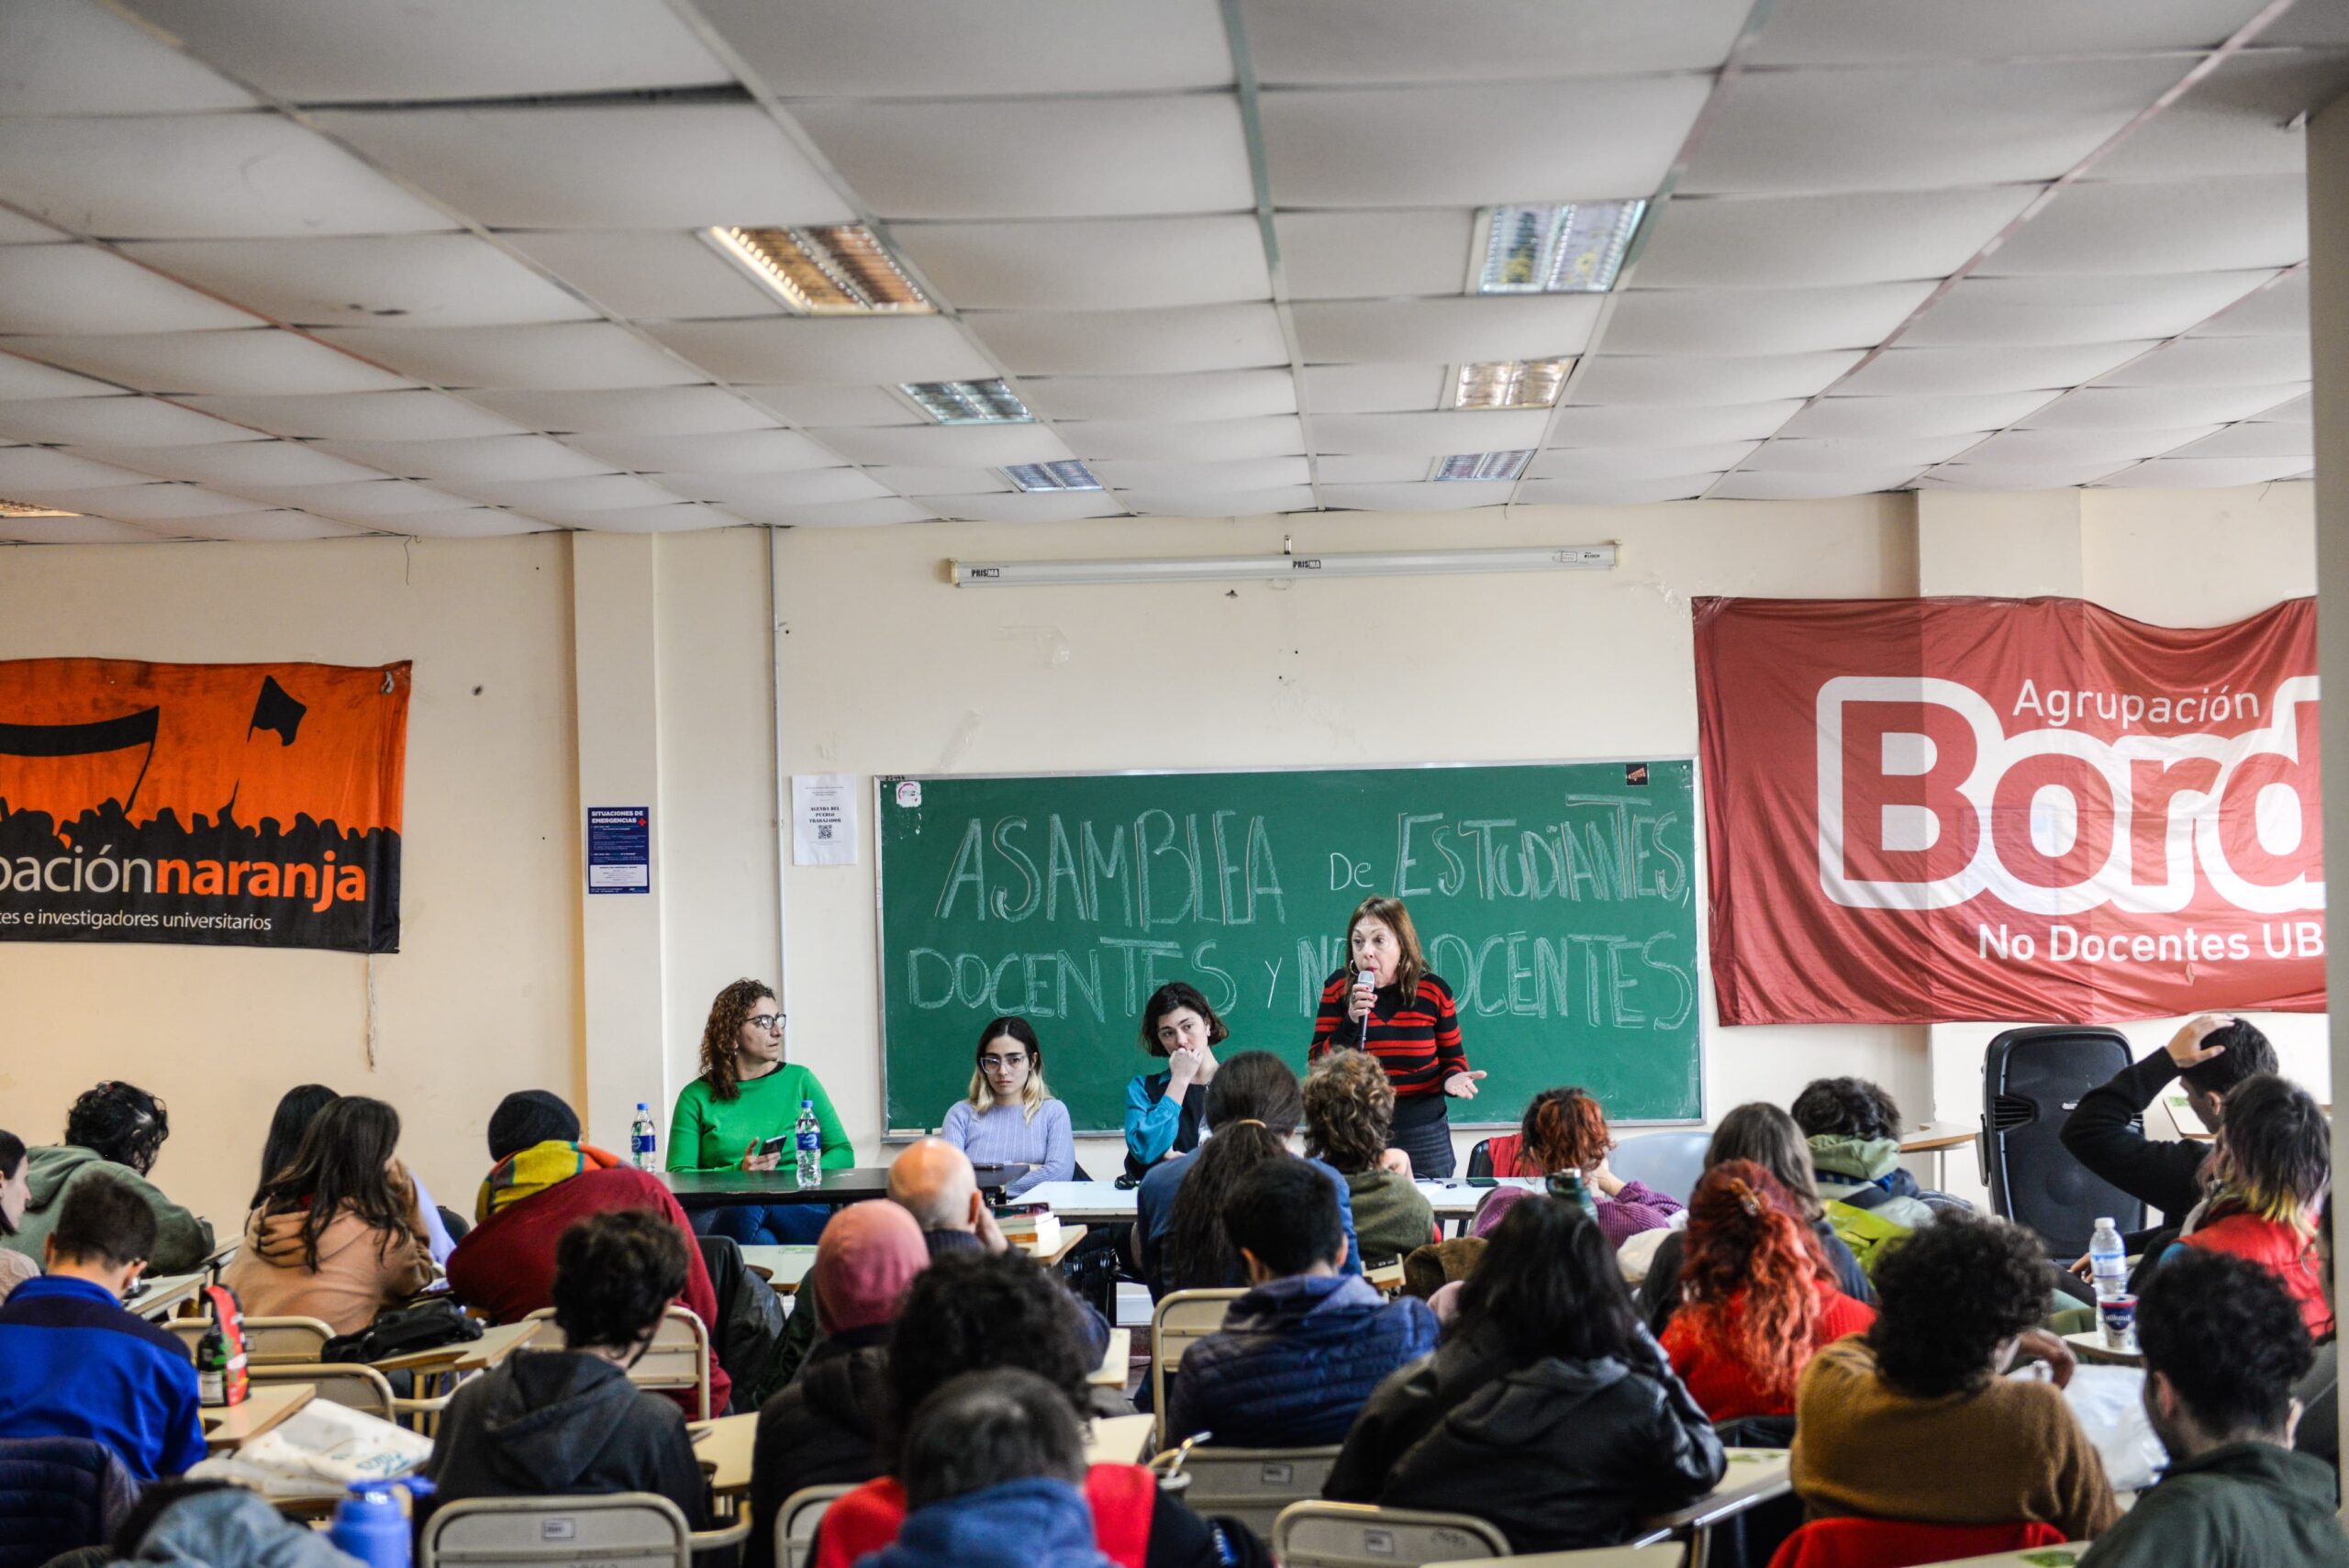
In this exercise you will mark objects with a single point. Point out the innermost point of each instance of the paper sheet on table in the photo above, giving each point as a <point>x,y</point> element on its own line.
<point>320,1447</point>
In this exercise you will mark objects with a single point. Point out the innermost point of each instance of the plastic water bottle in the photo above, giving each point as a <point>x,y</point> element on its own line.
<point>370,1524</point>
<point>1566,1187</point>
<point>643,1141</point>
<point>808,1136</point>
<point>2108,1261</point>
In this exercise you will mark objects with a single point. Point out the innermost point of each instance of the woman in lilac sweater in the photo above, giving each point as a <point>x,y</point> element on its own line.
<point>1011,1117</point>
<point>1564,1130</point>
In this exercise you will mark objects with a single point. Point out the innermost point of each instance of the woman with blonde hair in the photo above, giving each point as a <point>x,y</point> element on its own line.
<point>1388,1003</point>
<point>1011,1117</point>
<point>1349,1106</point>
<point>746,1096</point>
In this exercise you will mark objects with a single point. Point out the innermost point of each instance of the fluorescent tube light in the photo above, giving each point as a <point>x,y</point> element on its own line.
<point>1574,248</point>
<point>836,270</point>
<point>1281,568</point>
<point>968,402</point>
<point>1480,467</point>
<point>31,509</point>
<point>1510,384</point>
<point>1051,476</point>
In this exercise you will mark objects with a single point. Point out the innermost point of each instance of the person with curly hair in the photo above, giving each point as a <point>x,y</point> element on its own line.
<point>1758,1299</point>
<point>2223,1345</point>
<point>339,1234</point>
<point>1566,1130</point>
<point>2275,1167</point>
<point>1914,1420</point>
<point>1349,1108</point>
<point>118,1128</point>
<point>747,1094</point>
<point>1853,1127</point>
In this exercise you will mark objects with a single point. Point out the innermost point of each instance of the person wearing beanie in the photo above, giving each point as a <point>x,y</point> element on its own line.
<point>822,1429</point>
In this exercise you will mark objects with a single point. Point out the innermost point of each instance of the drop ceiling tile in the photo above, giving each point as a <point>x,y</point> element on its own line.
<point>1107,342</point>
<point>19,230</point>
<point>1376,255</point>
<point>114,421</point>
<point>1445,331</point>
<point>1202,394</point>
<point>143,502</point>
<point>1376,389</point>
<point>1038,158</point>
<point>920,49</point>
<point>81,289</point>
<point>2080,449</point>
<point>1647,425</point>
<point>1875,418</point>
<point>491,459</point>
<point>658,518</point>
<point>466,522</point>
<point>812,350</point>
<point>806,405</point>
<point>23,378</point>
<point>2281,307</point>
<point>1855,32</point>
<point>1796,454</point>
<point>644,411</point>
<point>277,526</point>
<point>616,166</point>
<point>363,416</point>
<point>754,495</point>
<point>2014,368</point>
<point>1630,492</point>
<point>654,275</point>
<point>1822,240</point>
<point>1453,146</point>
<point>29,472</point>
<point>1426,496</point>
<point>2258,439</point>
<point>2301,408</point>
<point>1694,381</point>
<point>73,530</point>
<point>2014,476</point>
<point>924,481</point>
<point>1621,464</point>
<point>233,465</point>
<point>1048,507</point>
<point>1760,321</point>
<point>1342,468</point>
<point>1192,440</point>
<point>738,451</point>
<point>844,514</point>
<point>1335,42</point>
<point>2239,119</point>
<point>325,51</point>
<point>554,499</point>
<point>2204,474</point>
<point>76,56</point>
<point>946,445</point>
<point>2128,408</point>
<point>1751,486</point>
<point>1888,129</point>
<point>1436,435</point>
<point>264,361</point>
<point>357,502</point>
<point>199,176</point>
<point>1203,478</point>
<point>2218,362</point>
<point>1090,264</point>
<point>1219,503</point>
<point>422,280</point>
<point>2239,223</point>
<point>2041,312</point>
<point>577,356</point>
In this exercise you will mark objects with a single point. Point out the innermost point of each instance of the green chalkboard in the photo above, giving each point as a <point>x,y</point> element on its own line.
<point>1556,899</point>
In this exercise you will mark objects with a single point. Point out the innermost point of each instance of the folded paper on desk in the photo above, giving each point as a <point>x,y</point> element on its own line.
<point>320,1447</point>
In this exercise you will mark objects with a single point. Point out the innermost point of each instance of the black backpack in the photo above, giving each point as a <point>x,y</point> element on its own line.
<point>423,1328</point>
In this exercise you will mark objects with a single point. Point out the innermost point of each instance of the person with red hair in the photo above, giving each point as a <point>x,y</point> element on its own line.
<point>1758,1296</point>
<point>1566,1130</point>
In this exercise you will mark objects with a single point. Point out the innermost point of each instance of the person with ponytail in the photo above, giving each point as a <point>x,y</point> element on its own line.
<point>1566,1130</point>
<point>2275,1168</point>
<point>1757,1297</point>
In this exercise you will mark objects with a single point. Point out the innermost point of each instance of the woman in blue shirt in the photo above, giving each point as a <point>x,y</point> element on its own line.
<point>1011,1117</point>
<point>1163,1108</point>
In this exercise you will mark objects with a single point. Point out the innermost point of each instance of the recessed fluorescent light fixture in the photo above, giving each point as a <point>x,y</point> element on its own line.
<point>1475,467</point>
<point>1510,384</point>
<point>1287,568</point>
<point>29,509</point>
<point>1051,476</point>
<point>1574,248</point>
<point>968,402</point>
<point>836,270</point>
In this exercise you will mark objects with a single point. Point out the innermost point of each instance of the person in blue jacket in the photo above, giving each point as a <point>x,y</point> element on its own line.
<point>1163,1109</point>
<point>1299,1355</point>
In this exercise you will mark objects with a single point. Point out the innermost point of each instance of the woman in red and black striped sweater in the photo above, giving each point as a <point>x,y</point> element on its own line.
<point>1386,1002</point>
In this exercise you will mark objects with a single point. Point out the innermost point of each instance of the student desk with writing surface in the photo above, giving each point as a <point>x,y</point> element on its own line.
<point>1755,1476</point>
<point>725,1446</point>
<point>1105,1201</point>
<point>264,1405</point>
<point>719,1189</point>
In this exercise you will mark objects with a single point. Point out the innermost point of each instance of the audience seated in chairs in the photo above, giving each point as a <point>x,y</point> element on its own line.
<point>116,1130</point>
<point>2274,1165</point>
<point>1566,1130</point>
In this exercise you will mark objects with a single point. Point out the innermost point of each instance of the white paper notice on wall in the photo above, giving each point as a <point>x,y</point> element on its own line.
<point>823,820</point>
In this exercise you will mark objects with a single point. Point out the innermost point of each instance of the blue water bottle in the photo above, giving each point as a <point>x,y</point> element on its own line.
<point>370,1524</point>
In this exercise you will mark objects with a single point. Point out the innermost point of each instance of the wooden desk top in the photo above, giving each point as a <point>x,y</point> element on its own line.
<point>2033,1557</point>
<point>786,1266</point>
<point>1669,1555</point>
<point>1115,1360</point>
<point>1935,1135</point>
<point>233,1425</point>
<point>2090,1346</point>
<point>1754,1476</point>
<point>467,1355</point>
<point>166,1292</point>
<point>717,1189</point>
<point>723,1447</point>
<point>1118,1440</point>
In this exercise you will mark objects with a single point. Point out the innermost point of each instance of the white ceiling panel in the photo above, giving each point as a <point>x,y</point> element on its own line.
<point>1750,485</point>
<point>2017,476</point>
<point>2281,307</point>
<point>1107,342</point>
<point>658,518</point>
<point>1759,321</point>
<point>1043,508</point>
<point>198,177</point>
<point>811,350</point>
<point>2300,408</point>
<point>358,503</point>
<point>365,415</point>
<point>76,56</point>
<point>2038,312</point>
<point>2255,437</point>
<point>262,363</point>
<point>2015,368</point>
<point>28,471</point>
<point>844,514</point>
<point>1368,468</point>
<point>1806,455</point>
<point>1203,394</point>
<point>554,499</point>
<point>1426,496</point>
<point>2242,222</point>
<point>1092,264</point>
<point>1667,426</point>
<point>947,446</point>
<point>1615,464</point>
<point>2074,449</point>
<point>1856,32</point>
<point>653,275</point>
<point>1204,478</point>
<point>73,530</point>
<point>233,465</point>
<point>1038,158</point>
<point>278,526</point>
<point>2238,119</point>
<point>921,49</point>
<point>1345,42</point>
<point>752,496</point>
<point>1890,418</point>
<point>424,280</point>
<point>1445,331</point>
<point>360,50</point>
<point>643,411</point>
<point>1435,435</point>
<point>577,356</point>
<point>833,405</point>
<point>81,289</point>
<point>926,482</point>
<point>2155,407</point>
<point>1822,240</point>
<point>1451,145</point>
<point>1889,129</point>
<point>738,451</point>
<point>141,503</point>
<point>1631,492</point>
<point>23,378</point>
<point>1375,255</point>
<point>1193,440</point>
<point>1376,389</point>
<point>2219,361</point>
<point>492,460</point>
<point>2207,472</point>
<point>1695,381</point>
<point>622,166</point>
<point>16,230</point>
<point>114,421</point>
<point>466,522</point>
<point>1219,503</point>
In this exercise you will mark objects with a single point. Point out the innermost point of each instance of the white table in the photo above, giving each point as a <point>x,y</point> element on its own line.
<point>1755,1476</point>
<point>166,1292</point>
<point>1450,1199</point>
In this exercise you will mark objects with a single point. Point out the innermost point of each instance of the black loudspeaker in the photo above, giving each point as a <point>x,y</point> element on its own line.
<point>2031,1080</point>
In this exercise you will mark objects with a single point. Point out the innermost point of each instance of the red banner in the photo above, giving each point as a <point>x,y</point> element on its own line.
<point>1929,811</point>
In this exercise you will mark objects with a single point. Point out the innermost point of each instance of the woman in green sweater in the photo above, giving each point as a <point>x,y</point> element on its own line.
<point>746,1095</point>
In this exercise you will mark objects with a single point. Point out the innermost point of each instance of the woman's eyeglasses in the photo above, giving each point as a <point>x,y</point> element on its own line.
<point>771,1022</point>
<point>1002,1064</point>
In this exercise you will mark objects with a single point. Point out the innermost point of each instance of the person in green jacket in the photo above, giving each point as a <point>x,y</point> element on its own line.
<point>2223,1345</point>
<point>746,1095</point>
<point>118,1128</point>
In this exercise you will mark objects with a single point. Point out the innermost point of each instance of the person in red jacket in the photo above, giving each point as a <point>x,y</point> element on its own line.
<point>543,1179</point>
<point>1758,1296</point>
<point>2274,1166</point>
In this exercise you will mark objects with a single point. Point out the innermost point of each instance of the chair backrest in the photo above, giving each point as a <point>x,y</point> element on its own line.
<point>57,1493</point>
<point>795,1521</point>
<point>1180,1318</point>
<point>353,1385</point>
<point>624,1530</point>
<point>1904,1543</point>
<point>1669,1163</point>
<point>1252,1484</point>
<point>266,1338</point>
<point>1480,1158</point>
<point>677,1358</point>
<point>1355,1535</point>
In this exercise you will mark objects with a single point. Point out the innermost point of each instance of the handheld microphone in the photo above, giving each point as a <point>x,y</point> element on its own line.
<point>1366,974</point>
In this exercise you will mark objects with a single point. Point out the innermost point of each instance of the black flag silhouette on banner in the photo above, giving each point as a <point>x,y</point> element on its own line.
<point>275,710</point>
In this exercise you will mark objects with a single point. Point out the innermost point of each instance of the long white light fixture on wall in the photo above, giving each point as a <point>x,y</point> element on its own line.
<point>1287,567</point>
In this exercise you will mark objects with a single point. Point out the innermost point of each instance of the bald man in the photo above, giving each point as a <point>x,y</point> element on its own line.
<point>932,1180</point>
